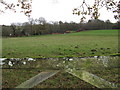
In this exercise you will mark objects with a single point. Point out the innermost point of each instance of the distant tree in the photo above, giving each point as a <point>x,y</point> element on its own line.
<point>108,24</point>
<point>31,21</point>
<point>56,27</point>
<point>74,26</point>
<point>41,21</point>
<point>7,31</point>
<point>60,22</point>
<point>26,29</point>
<point>13,26</point>
<point>95,24</point>
<point>116,25</point>
<point>48,28</point>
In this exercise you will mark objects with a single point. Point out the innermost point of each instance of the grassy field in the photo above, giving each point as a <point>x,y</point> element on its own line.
<point>64,80</point>
<point>13,77</point>
<point>85,43</point>
<point>80,44</point>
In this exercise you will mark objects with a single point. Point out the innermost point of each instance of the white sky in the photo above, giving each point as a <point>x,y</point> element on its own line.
<point>51,10</point>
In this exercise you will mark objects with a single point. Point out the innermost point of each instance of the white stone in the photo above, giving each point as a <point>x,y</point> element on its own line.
<point>10,63</point>
<point>24,63</point>
<point>95,56</point>
<point>30,59</point>
<point>63,61</point>
<point>2,59</point>
<point>70,59</point>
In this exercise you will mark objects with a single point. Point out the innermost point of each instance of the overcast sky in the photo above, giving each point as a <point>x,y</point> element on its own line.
<point>51,10</point>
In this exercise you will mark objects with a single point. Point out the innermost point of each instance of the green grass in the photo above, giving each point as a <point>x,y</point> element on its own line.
<point>105,42</point>
<point>64,80</point>
<point>98,33</point>
<point>85,43</point>
<point>13,77</point>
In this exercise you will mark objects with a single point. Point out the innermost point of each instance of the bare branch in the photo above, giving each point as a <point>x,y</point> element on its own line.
<point>93,11</point>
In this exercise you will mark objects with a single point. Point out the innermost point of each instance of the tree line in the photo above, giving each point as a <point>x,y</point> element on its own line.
<point>41,27</point>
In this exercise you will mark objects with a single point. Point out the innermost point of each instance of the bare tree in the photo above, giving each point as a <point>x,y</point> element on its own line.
<point>83,10</point>
<point>25,6</point>
<point>41,21</point>
<point>93,10</point>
